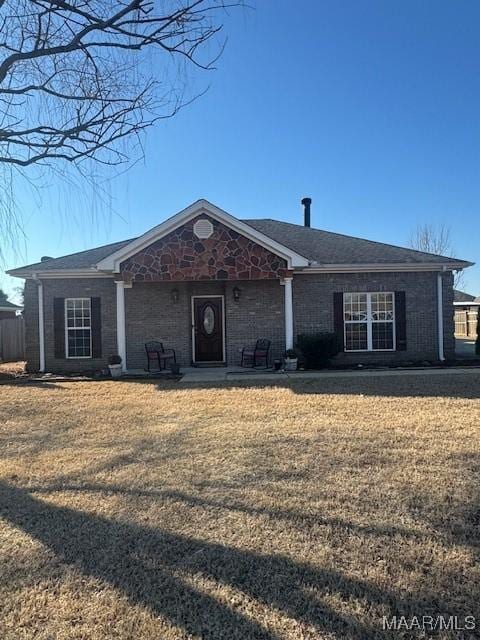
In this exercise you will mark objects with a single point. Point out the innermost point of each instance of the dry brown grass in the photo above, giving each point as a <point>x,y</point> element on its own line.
<point>152,511</point>
<point>11,369</point>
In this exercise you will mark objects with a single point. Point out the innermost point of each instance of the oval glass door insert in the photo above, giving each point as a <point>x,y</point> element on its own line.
<point>208,319</point>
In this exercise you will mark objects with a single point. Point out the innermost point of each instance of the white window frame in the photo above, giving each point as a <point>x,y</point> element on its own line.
<point>369,321</point>
<point>67,329</point>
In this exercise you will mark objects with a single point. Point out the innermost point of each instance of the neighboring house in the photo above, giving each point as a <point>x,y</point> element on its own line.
<point>466,312</point>
<point>207,284</point>
<point>8,309</point>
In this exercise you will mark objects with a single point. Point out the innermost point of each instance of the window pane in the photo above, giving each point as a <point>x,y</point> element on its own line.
<point>382,335</point>
<point>382,306</point>
<point>79,343</point>
<point>355,306</point>
<point>355,336</point>
<point>78,313</point>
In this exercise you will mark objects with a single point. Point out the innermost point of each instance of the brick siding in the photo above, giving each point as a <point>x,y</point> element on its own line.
<point>313,309</point>
<point>69,288</point>
<point>151,314</point>
<point>30,315</point>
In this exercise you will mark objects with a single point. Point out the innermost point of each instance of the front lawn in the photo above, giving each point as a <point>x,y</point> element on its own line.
<point>154,511</point>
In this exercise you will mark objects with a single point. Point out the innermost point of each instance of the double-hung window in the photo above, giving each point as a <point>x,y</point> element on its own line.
<point>78,328</point>
<point>369,321</point>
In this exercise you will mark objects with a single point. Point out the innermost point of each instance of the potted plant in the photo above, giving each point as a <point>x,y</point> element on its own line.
<point>115,366</point>
<point>291,360</point>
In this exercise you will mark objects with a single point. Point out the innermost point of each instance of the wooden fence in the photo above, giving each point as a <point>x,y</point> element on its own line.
<point>466,324</point>
<point>12,339</point>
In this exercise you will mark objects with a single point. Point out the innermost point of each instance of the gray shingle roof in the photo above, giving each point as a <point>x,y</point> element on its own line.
<point>6,304</point>
<point>81,260</point>
<point>322,247</point>
<point>326,247</point>
<point>462,296</point>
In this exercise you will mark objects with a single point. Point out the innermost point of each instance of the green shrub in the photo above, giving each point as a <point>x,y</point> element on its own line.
<point>477,342</point>
<point>318,348</point>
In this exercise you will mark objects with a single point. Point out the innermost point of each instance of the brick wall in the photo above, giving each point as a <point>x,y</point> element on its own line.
<point>69,288</point>
<point>313,309</point>
<point>448,316</point>
<point>258,314</point>
<point>151,314</point>
<point>30,315</point>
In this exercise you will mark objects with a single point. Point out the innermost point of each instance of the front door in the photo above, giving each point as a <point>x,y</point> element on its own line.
<point>208,331</point>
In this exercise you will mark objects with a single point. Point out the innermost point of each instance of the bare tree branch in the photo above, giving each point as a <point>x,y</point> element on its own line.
<point>78,76</point>
<point>438,240</point>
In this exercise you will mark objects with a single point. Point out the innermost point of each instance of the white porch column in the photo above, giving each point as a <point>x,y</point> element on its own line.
<point>288,313</point>
<point>41,327</point>
<point>441,351</point>
<point>121,338</point>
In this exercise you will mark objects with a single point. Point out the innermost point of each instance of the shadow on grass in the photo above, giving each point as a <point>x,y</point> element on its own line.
<point>155,568</point>
<point>449,384</point>
<point>38,384</point>
<point>296,518</point>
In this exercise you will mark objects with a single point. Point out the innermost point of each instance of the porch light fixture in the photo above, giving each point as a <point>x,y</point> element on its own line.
<point>236,294</point>
<point>175,295</point>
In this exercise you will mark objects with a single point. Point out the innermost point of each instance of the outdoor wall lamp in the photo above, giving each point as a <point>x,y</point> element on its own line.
<point>175,295</point>
<point>236,294</point>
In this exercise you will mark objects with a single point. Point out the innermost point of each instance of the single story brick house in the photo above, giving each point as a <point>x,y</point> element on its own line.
<point>206,284</point>
<point>8,309</point>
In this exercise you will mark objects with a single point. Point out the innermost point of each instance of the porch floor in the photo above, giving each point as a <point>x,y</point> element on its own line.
<point>206,374</point>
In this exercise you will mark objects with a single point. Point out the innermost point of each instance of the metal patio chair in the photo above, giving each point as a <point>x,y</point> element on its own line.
<point>258,353</point>
<point>157,353</point>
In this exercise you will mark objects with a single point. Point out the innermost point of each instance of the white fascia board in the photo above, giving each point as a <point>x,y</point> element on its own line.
<point>467,304</point>
<point>57,273</point>
<point>112,262</point>
<point>366,268</point>
<point>11,309</point>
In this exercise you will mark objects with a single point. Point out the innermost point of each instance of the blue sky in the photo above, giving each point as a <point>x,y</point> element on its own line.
<point>371,108</point>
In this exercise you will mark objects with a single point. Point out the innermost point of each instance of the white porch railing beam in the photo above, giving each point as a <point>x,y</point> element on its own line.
<point>288,313</point>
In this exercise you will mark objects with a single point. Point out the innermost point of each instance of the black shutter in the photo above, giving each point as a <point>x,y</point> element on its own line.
<point>338,318</point>
<point>96,320</point>
<point>59,327</point>
<point>400,321</point>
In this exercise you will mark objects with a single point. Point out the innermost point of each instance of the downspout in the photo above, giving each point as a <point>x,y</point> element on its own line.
<point>441,351</point>
<point>41,324</point>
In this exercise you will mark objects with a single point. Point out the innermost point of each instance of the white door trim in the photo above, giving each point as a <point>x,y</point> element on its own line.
<point>193,325</point>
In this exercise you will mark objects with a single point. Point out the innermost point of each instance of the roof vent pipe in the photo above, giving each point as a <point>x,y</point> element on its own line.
<point>306,211</point>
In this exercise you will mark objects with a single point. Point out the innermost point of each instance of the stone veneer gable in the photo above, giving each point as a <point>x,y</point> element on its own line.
<point>181,256</point>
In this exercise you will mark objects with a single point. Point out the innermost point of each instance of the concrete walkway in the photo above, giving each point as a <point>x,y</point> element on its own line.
<point>237,374</point>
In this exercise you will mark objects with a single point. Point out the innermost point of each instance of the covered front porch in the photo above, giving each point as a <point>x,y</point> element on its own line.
<point>204,284</point>
<point>205,322</point>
